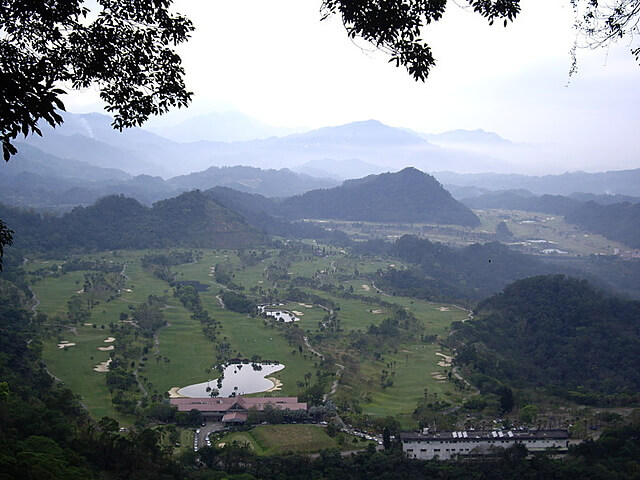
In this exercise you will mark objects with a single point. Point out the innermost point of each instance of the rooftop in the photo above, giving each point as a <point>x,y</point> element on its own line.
<point>236,403</point>
<point>487,435</point>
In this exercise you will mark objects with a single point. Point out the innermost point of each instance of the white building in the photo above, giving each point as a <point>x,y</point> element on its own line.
<point>477,443</point>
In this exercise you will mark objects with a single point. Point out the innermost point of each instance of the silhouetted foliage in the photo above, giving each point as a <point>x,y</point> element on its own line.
<point>125,48</point>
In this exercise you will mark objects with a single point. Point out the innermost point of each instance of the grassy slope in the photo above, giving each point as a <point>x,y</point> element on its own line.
<point>248,336</point>
<point>275,439</point>
<point>75,366</point>
<point>190,353</point>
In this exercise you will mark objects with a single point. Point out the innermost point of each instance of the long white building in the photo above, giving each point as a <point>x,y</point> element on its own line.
<point>479,443</point>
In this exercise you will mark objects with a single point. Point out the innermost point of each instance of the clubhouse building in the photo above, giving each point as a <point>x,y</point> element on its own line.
<point>234,410</point>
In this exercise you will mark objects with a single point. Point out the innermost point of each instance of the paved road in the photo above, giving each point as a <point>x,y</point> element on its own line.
<point>206,430</point>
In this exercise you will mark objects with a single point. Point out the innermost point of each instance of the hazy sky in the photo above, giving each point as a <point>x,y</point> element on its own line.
<point>275,61</point>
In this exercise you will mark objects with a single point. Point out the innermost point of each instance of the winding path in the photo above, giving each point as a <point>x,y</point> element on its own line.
<point>334,386</point>
<point>221,301</point>
<point>34,307</point>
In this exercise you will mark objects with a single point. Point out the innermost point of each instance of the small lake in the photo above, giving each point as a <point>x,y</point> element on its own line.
<point>278,314</point>
<point>245,376</point>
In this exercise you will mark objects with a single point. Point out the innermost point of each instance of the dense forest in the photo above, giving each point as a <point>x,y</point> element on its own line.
<point>115,222</point>
<point>558,333</point>
<point>443,272</point>
<point>620,221</point>
<point>262,213</point>
<point>406,196</point>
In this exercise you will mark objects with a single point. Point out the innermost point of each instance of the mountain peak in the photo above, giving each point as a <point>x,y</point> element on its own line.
<point>406,196</point>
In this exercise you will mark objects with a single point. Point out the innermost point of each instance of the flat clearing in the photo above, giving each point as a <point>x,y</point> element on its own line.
<point>276,439</point>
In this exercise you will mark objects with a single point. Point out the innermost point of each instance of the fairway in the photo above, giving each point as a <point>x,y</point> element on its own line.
<point>276,439</point>
<point>181,355</point>
<point>74,365</point>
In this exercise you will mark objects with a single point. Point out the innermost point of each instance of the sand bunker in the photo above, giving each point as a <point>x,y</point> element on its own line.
<point>376,311</point>
<point>173,393</point>
<point>366,288</point>
<point>65,344</point>
<point>128,290</point>
<point>87,324</point>
<point>106,349</point>
<point>446,360</point>
<point>295,312</point>
<point>439,376</point>
<point>109,340</point>
<point>277,384</point>
<point>443,309</point>
<point>102,367</point>
<point>305,305</point>
<point>80,291</point>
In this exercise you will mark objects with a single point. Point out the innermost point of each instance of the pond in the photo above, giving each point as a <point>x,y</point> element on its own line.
<point>278,314</point>
<point>238,378</point>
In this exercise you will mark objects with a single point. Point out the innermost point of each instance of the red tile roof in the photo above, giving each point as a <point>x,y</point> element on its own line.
<point>222,405</point>
<point>235,417</point>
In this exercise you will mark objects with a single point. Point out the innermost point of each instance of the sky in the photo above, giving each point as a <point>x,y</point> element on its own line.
<point>277,62</point>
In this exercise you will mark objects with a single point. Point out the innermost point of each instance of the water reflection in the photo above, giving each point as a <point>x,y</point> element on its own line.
<point>237,379</point>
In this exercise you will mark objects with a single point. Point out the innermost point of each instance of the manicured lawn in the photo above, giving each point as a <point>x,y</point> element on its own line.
<point>189,353</point>
<point>74,365</point>
<point>415,366</point>
<point>354,314</point>
<point>245,438</point>
<point>275,439</point>
<point>54,292</point>
<point>250,336</point>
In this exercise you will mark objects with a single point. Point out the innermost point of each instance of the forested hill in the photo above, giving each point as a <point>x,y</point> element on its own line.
<point>261,212</point>
<point>557,332</point>
<point>442,272</point>
<point>620,221</point>
<point>190,220</point>
<point>406,196</point>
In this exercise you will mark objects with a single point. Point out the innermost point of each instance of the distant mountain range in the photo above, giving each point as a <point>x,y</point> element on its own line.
<point>341,152</point>
<point>46,182</point>
<point>221,127</point>
<point>90,138</point>
<point>620,182</point>
<point>226,217</point>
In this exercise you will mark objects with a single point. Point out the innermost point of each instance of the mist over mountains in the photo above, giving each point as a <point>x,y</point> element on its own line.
<point>90,138</point>
<point>86,159</point>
